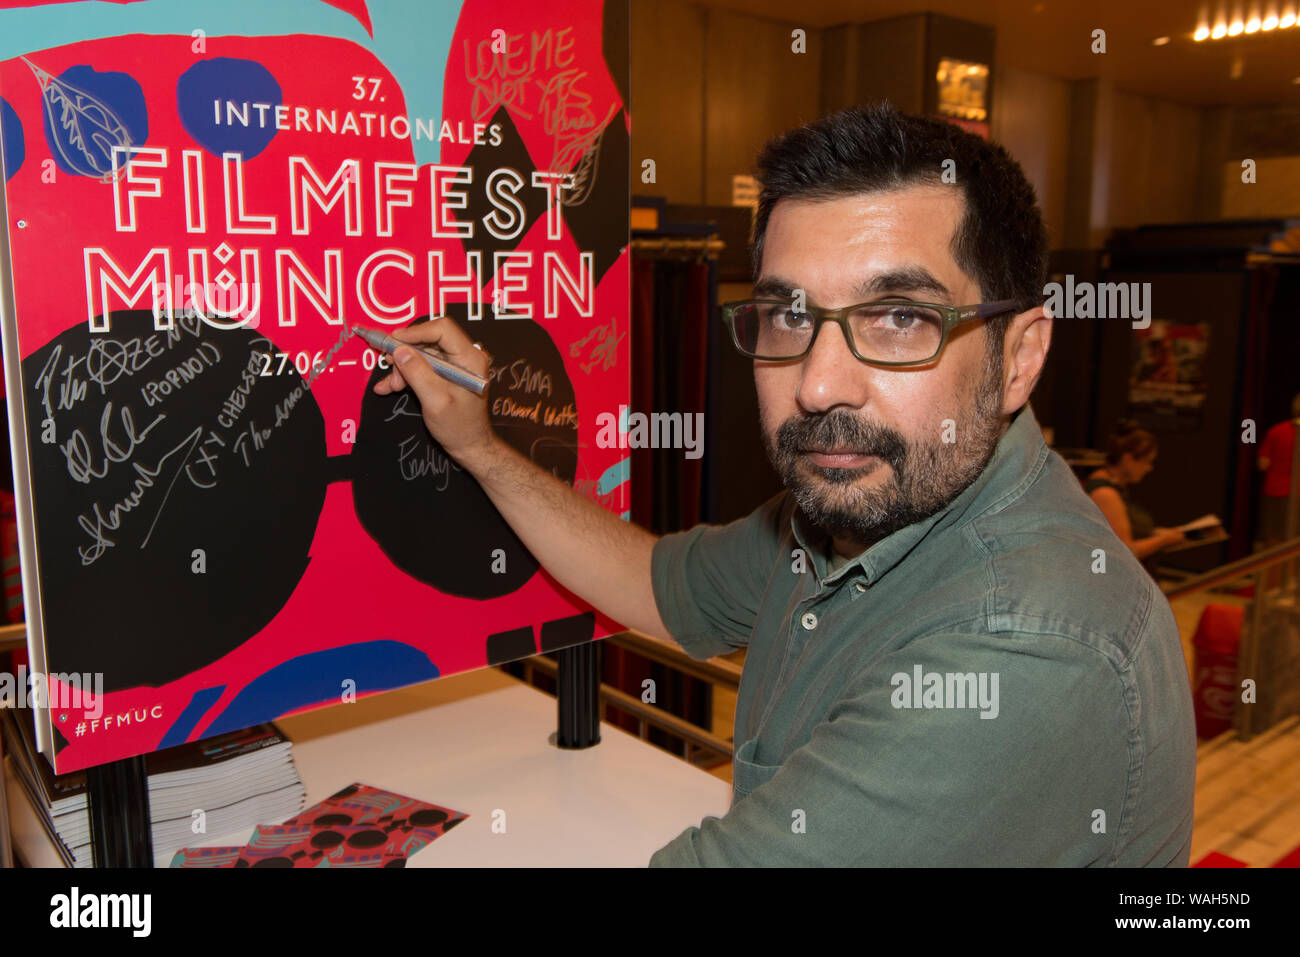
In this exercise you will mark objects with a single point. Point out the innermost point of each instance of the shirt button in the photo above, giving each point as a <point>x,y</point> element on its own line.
<point>810,621</point>
<point>859,586</point>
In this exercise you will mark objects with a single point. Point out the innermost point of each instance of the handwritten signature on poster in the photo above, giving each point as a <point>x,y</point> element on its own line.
<point>504,70</point>
<point>605,341</point>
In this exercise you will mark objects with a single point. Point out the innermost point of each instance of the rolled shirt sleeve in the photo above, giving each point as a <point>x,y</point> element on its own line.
<point>709,581</point>
<point>1042,783</point>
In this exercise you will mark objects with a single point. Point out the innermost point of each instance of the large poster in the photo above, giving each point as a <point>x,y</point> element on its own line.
<point>224,524</point>
<point>1167,376</point>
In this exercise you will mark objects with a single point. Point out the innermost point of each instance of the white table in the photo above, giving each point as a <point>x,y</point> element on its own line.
<point>478,742</point>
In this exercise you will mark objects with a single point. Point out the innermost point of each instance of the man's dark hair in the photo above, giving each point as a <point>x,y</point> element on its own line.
<point>1001,240</point>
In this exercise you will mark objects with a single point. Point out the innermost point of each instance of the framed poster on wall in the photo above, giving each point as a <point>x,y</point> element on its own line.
<point>1167,380</point>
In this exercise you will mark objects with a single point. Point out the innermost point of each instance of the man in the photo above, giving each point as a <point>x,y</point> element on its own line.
<point>1276,453</point>
<point>951,657</point>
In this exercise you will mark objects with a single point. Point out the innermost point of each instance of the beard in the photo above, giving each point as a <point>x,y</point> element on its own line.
<point>925,476</point>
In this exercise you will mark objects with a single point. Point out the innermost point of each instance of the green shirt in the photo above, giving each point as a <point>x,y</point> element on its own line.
<point>998,684</point>
<point>834,560</point>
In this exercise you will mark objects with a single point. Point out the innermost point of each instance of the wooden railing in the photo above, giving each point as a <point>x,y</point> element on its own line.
<point>1286,555</point>
<point>13,637</point>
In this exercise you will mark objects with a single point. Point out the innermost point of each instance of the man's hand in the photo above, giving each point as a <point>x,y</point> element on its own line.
<point>456,417</point>
<point>586,548</point>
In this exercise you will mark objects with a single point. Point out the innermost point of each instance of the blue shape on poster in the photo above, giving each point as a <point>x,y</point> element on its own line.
<point>11,135</point>
<point>240,82</point>
<point>614,476</point>
<point>87,113</point>
<point>199,704</point>
<point>317,677</point>
<point>411,37</point>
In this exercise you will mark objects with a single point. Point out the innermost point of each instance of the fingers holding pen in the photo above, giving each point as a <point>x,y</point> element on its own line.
<point>440,336</point>
<point>415,335</point>
<point>393,382</point>
<point>446,337</point>
<point>449,375</point>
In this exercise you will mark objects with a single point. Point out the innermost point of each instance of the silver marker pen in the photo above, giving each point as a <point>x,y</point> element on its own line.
<point>437,361</point>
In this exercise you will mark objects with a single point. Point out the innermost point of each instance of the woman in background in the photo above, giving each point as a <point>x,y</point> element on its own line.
<point>1130,455</point>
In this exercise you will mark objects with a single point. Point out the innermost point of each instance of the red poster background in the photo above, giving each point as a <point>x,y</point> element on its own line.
<point>352,597</point>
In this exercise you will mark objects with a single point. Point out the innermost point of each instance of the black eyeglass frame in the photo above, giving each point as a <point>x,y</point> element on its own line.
<point>952,316</point>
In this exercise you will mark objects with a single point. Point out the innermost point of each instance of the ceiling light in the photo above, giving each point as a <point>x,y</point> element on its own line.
<point>1255,21</point>
<point>1159,41</point>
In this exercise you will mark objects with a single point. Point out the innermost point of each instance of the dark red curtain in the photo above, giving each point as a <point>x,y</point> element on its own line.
<point>672,302</point>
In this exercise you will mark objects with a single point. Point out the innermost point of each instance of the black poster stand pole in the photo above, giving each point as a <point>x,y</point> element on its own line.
<point>577,695</point>
<point>117,796</point>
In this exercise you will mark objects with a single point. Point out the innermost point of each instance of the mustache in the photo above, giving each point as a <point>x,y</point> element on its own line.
<point>842,429</point>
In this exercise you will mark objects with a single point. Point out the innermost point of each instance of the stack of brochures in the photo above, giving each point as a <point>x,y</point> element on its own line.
<point>227,783</point>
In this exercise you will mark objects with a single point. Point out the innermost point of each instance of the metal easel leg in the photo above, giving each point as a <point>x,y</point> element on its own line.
<point>118,802</point>
<point>577,695</point>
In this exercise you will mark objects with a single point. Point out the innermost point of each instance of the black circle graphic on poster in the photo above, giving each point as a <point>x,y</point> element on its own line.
<point>427,817</point>
<point>179,487</point>
<point>364,840</point>
<point>332,820</point>
<point>326,839</point>
<point>430,517</point>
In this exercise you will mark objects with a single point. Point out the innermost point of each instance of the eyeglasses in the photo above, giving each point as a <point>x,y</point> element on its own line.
<point>891,332</point>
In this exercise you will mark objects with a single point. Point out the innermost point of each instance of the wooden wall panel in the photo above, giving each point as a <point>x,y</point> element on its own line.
<point>667,93</point>
<point>755,87</point>
<point>1031,118</point>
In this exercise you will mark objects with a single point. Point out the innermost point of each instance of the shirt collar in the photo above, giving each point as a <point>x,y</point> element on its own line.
<point>1016,459</point>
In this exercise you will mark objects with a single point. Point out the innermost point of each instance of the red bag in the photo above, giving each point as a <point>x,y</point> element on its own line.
<point>1217,642</point>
